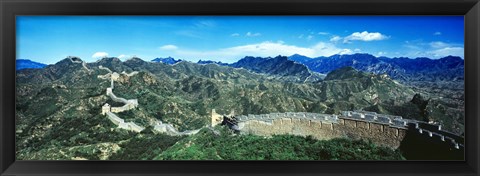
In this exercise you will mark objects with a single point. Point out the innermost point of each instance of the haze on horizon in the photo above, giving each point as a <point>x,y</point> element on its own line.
<point>48,39</point>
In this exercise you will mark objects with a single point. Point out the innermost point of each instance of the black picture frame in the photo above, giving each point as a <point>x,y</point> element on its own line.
<point>10,8</point>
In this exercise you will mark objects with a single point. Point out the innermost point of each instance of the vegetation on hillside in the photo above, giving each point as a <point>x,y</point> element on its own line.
<point>221,144</point>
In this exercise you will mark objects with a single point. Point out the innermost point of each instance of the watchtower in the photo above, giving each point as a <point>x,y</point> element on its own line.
<point>105,108</point>
<point>216,118</point>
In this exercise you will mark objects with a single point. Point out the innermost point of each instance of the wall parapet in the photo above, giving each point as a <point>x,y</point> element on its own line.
<point>121,123</point>
<point>294,115</point>
<point>395,121</point>
<point>455,140</point>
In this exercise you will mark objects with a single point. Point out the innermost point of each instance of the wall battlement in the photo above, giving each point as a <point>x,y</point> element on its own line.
<point>432,130</point>
<point>372,117</point>
<point>435,131</point>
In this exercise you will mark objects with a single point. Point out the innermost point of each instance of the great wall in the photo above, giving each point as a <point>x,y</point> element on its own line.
<point>77,60</point>
<point>158,126</point>
<point>384,130</point>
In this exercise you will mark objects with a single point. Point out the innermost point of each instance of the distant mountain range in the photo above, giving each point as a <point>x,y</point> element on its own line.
<point>167,60</point>
<point>279,66</point>
<point>403,69</point>
<point>211,62</point>
<point>25,63</point>
<point>450,68</point>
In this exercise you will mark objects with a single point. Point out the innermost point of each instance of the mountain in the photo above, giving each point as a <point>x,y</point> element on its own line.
<point>168,60</point>
<point>279,66</point>
<point>64,69</point>
<point>449,68</point>
<point>25,63</point>
<point>441,79</point>
<point>299,58</point>
<point>344,73</point>
<point>212,62</point>
<point>58,108</point>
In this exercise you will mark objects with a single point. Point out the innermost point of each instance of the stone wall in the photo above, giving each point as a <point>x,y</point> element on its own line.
<point>121,123</point>
<point>78,60</point>
<point>130,74</point>
<point>435,132</point>
<point>296,115</point>
<point>384,130</point>
<point>114,118</point>
<point>381,134</point>
<point>129,104</point>
<point>170,130</point>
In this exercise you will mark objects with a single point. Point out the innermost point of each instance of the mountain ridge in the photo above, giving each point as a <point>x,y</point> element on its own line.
<point>400,68</point>
<point>167,60</point>
<point>28,64</point>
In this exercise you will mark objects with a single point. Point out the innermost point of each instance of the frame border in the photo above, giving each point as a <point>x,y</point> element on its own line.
<point>10,8</point>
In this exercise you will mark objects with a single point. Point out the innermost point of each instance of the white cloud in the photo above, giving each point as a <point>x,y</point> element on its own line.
<point>323,33</point>
<point>356,50</point>
<point>434,49</point>
<point>235,35</point>
<point>437,33</point>
<point>250,34</point>
<point>365,36</point>
<point>412,47</point>
<point>123,56</point>
<point>168,47</point>
<point>335,38</point>
<point>300,36</point>
<point>327,49</point>
<point>454,51</point>
<point>98,55</point>
<point>438,44</point>
<point>205,24</point>
<point>263,49</point>
<point>309,37</point>
<point>381,53</point>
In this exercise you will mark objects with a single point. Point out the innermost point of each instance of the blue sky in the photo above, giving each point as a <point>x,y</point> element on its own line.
<point>48,39</point>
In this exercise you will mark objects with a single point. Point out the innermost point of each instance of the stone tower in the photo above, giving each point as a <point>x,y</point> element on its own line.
<point>216,118</point>
<point>105,108</point>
